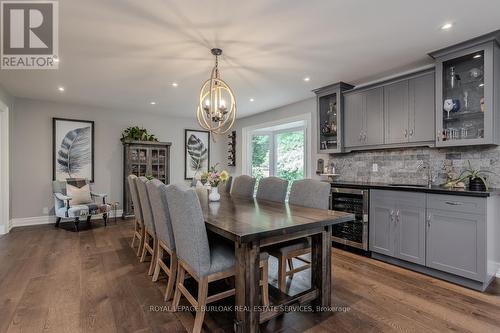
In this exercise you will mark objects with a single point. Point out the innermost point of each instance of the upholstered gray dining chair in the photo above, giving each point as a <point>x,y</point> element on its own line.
<point>272,189</point>
<point>206,260</point>
<point>149,244</point>
<point>308,193</point>
<point>227,185</point>
<point>243,186</point>
<point>139,230</point>
<point>74,199</point>
<point>157,192</point>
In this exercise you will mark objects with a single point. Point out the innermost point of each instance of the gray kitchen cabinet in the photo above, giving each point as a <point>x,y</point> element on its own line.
<point>456,235</point>
<point>353,120</point>
<point>396,112</point>
<point>397,225</point>
<point>373,111</point>
<point>381,234</point>
<point>467,95</point>
<point>330,113</point>
<point>422,108</point>
<point>364,114</point>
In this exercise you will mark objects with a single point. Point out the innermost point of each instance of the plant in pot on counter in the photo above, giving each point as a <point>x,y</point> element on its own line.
<point>477,178</point>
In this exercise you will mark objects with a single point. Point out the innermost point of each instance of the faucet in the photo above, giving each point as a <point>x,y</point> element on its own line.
<point>426,165</point>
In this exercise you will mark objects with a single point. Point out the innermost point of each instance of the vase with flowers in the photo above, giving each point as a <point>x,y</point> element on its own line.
<point>214,178</point>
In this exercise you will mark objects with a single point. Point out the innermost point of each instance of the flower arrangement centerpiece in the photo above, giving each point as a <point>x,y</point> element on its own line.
<point>214,178</point>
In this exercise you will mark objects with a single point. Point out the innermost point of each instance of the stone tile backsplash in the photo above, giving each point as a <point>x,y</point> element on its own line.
<point>402,165</point>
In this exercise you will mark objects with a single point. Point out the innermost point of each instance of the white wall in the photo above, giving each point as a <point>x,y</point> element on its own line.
<point>5,102</point>
<point>32,149</point>
<point>307,106</point>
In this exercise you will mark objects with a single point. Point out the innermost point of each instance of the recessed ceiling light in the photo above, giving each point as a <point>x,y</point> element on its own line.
<point>477,56</point>
<point>307,79</point>
<point>175,84</point>
<point>152,103</point>
<point>251,99</point>
<point>446,26</point>
<point>61,89</point>
<point>481,85</point>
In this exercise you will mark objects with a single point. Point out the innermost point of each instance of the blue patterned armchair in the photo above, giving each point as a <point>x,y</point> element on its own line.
<point>74,199</point>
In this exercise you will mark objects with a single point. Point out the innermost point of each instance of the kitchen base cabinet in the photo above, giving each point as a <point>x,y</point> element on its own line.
<point>397,224</point>
<point>450,237</point>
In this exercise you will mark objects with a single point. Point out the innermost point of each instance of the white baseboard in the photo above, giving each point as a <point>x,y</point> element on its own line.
<point>48,219</point>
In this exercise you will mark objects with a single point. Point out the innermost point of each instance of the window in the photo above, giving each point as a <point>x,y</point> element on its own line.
<point>278,151</point>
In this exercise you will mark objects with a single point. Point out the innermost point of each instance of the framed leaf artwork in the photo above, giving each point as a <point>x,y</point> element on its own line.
<point>196,153</point>
<point>73,149</point>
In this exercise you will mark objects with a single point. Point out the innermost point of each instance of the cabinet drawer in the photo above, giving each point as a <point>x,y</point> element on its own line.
<point>457,203</point>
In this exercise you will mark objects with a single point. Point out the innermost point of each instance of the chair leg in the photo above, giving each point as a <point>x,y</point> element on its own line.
<point>180,280</point>
<point>281,273</point>
<point>172,277</point>
<point>77,222</point>
<point>159,256</point>
<point>153,257</point>
<point>265,284</point>
<point>144,250</point>
<point>135,230</point>
<point>202,302</point>
<point>141,241</point>
<point>88,220</point>
<point>58,220</point>
<point>105,218</point>
<point>290,264</point>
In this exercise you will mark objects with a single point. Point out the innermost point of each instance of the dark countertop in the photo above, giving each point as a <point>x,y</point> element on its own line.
<point>412,188</point>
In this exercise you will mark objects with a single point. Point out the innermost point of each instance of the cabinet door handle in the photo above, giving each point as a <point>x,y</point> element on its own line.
<point>429,217</point>
<point>454,203</point>
<point>411,133</point>
<point>406,133</point>
<point>397,216</point>
<point>392,216</point>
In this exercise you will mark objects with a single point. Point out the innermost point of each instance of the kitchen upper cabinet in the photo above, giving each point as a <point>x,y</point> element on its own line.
<point>396,112</point>
<point>373,111</point>
<point>456,235</point>
<point>330,104</point>
<point>421,108</point>
<point>353,120</point>
<point>364,118</point>
<point>397,225</point>
<point>467,94</point>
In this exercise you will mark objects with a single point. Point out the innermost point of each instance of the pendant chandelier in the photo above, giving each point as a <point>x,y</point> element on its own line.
<point>216,109</point>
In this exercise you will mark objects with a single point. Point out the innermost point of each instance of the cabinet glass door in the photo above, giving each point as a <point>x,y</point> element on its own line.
<point>463,106</point>
<point>328,122</point>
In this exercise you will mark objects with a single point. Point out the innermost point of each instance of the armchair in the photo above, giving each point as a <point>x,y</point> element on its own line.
<point>83,206</point>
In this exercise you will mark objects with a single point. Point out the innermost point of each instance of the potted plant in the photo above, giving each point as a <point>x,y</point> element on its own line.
<point>477,178</point>
<point>137,133</point>
<point>214,178</point>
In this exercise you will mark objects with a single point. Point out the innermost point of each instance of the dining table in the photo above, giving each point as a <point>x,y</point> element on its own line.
<point>251,224</point>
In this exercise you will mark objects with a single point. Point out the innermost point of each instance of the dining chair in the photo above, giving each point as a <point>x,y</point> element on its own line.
<point>272,189</point>
<point>227,185</point>
<point>206,260</point>
<point>139,229</point>
<point>243,186</point>
<point>307,193</point>
<point>149,244</point>
<point>157,192</point>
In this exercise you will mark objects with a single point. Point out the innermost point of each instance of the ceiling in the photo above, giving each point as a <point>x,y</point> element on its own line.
<point>123,54</point>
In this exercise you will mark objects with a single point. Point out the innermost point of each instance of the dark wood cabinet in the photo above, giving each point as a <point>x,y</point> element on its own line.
<point>142,158</point>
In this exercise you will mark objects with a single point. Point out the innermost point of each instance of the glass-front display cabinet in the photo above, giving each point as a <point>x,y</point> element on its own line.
<point>467,93</point>
<point>330,107</point>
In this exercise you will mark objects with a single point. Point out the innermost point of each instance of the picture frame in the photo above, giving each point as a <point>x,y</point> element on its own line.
<point>196,152</point>
<point>72,149</point>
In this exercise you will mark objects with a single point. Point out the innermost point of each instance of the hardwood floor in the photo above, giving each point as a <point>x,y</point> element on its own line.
<point>55,280</point>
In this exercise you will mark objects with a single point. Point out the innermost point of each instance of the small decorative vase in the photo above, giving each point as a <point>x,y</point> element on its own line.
<point>214,194</point>
<point>476,184</point>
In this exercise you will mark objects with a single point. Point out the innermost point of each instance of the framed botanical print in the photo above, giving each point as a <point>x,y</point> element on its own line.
<point>196,153</point>
<point>73,149</point>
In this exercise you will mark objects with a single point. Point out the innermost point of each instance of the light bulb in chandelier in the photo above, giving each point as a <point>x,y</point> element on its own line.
<point>216,109</point>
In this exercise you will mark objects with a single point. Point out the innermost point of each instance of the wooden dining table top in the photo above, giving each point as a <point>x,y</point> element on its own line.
<point>248,219</point>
